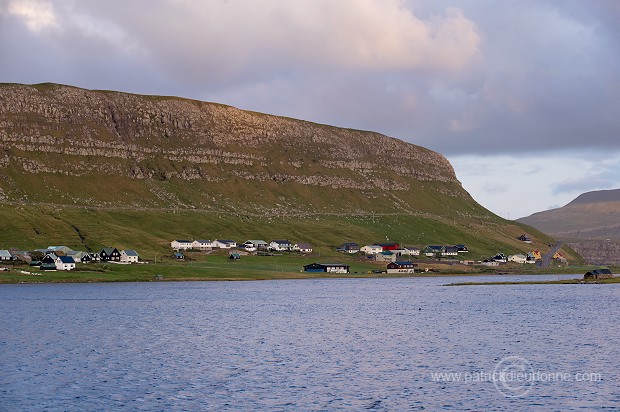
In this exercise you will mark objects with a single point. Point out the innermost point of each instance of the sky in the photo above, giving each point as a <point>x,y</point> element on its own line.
<point>522,96</point>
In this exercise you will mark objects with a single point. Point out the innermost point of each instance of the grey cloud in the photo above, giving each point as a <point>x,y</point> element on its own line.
<point>480,77</point>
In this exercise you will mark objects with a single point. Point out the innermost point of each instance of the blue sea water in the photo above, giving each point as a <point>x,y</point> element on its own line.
<point>327,344</point>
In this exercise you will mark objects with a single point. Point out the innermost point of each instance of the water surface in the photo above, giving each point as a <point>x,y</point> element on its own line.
<point>327,344</point>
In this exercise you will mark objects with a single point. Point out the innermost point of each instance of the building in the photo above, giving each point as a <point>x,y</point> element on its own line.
<point>371,249</point>
<point>598,274</point>
<point>181,244</point>
<point>386,256</point>
<point>303,247</point>
<point>280,245</point>
<point>5,255</point>
<point>254,244</point>
<point>349,247</point>
<point>327,267</point>
<point>202,244</point>
<point>401,267</point>
<point>110,254</point>
<point>129,256</point>
<point>65,263</point>
<point>517,258</point>
<point>433,250</point>
<point>388,246</point>
<point>224,244</point>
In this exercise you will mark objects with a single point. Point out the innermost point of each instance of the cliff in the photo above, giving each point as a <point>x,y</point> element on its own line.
<point>68,145</point>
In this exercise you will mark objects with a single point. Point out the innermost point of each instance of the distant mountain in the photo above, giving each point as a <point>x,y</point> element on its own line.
<point>592,215</point>
<point>590,223</point>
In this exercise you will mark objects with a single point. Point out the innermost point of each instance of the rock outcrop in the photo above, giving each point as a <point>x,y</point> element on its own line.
<point>110,148</point>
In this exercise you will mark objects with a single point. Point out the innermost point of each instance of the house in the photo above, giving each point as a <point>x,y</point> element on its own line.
<point>280,245</point>
<point>517,258</point>
<point>48,266</point>
<point>202,244</point>
<point>181,244</point>
<point>49,258</point>
<point>525,238</point>
<point>224,244</point>
<point>401,267</point>
<point>254,244</point>
<point>386,256</point>
<point>488,262</point>
<point>179,256</point>
<point>234,256</point>
<point>433,250</point>
<point>388,246</point>
<point>76,255</point>
<point>462,248</point>
<point>371,249</point>
<point>63,249</point>
<point>90,257</point>
<point>65,263</point>
<point>500,258</point>
<point>412,250</point>
<point>530,258</point>
<point>598,274</point>
<point>110,254</point>
<point>349,247</point>
<point>5,255</point>
<point>303,247</point>
<point>327,267</point>
<point>450,251</point>
<point>130,256</point>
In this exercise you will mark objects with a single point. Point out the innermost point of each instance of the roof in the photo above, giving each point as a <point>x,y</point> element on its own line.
<point>281,242</point>
<point>256,241</point>
<point>199,241</point>
<point>5,253</point>
<point>183,241</point>
<point>130,252</point>
<point>386,244</point>
<point>304,245</point>
<point>108,250</point>
<point>66,259</point>
<point>225,241</point>
<point>333,264</point>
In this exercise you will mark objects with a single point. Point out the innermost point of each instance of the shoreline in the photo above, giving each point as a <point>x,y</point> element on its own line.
<point>87,277</point>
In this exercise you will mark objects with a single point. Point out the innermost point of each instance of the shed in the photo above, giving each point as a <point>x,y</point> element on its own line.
<point>598,274</point>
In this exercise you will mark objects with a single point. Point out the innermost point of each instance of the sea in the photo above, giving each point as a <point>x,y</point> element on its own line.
<point>310,345</point>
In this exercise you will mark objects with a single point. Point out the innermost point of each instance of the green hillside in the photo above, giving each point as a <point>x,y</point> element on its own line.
<point>89,169</point>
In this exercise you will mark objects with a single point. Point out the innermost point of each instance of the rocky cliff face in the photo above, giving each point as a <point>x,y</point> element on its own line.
<point>105,148</point>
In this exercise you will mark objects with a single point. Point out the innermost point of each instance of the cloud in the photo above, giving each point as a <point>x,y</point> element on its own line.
<point>37,15</point>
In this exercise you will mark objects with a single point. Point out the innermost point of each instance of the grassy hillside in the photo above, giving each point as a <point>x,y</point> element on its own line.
<point>150,232</point>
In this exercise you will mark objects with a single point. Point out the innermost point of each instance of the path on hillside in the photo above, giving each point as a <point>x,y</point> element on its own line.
<point>546,260</point>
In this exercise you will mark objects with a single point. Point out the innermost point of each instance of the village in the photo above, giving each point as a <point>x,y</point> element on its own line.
<point>397,258</point>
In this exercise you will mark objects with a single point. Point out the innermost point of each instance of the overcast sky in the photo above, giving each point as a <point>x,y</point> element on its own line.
<point>523,97</point>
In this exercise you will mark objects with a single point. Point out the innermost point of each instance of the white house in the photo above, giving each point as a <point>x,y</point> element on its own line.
<point>181,244</point>
<point>413,251</point>
<point>371,249</point>
<point>5,255</point>
<point>224,244</point>
<point>202,244</point>
<point>401,267</point>
<point>280,245</point>
<point>130,256</point>
<point>254,244</point>
<point>64,263</point>
<point>517,258</point>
